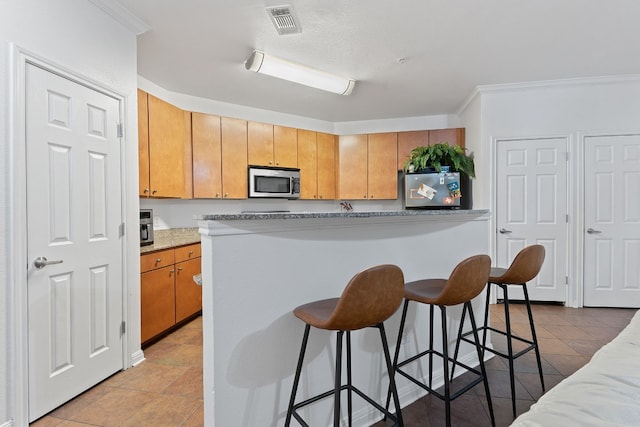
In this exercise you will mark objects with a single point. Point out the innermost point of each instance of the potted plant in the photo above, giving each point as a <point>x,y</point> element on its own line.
<point>438,155</point>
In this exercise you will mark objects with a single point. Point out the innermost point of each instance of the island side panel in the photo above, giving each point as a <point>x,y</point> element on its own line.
<point>256,272</point>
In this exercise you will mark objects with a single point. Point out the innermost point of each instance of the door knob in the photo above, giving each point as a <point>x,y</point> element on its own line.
<point>505,231</point>
<point>592,231</point>
<point>42,262</point>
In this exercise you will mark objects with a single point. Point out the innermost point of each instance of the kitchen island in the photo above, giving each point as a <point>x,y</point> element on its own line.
<point>257,267</point>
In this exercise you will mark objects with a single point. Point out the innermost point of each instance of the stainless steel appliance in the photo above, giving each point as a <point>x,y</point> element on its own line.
<point>432,190</point>
<point>146,227</point>
<point>274,182</point>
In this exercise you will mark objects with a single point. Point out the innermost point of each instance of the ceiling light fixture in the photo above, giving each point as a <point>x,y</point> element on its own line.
<point>283,69</point>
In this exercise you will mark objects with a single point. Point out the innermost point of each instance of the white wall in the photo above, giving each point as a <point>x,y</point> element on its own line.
<point>557,108</point>
<point>77,36</point>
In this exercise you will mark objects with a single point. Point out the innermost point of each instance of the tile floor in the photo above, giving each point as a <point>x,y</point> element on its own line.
<point>166,389</point>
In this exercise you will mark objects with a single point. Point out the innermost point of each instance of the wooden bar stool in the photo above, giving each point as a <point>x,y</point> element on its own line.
<point>525,266</point>
<point>369,299</point>
<point>466,281</point>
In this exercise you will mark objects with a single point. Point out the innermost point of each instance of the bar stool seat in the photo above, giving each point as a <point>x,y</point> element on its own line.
<point>369,299</point>
<point>524,268</point>
<point>466,281</point>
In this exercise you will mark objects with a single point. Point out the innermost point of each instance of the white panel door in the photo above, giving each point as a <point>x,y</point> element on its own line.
<point>531,196</point>
<point>612,221</point>
<point>74,214</point>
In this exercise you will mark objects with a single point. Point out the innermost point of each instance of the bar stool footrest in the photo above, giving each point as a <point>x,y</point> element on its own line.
<point>331,393</point>
<point>530,344</point>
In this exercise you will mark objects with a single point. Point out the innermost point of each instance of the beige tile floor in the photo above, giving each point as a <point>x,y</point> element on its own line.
<point>166,389</point>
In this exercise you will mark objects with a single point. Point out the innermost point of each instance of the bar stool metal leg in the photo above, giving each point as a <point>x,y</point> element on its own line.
<point>296,379</point>
<point>534,338</point>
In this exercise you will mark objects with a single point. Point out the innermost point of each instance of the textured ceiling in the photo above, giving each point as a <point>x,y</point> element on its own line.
<point>410,57</point>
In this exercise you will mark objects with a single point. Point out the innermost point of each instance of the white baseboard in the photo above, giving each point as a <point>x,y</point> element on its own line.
<point>136,358</point>
<point>7,424</point>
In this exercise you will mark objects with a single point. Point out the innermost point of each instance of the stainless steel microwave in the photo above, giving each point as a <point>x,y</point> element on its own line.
<point>274,182</point>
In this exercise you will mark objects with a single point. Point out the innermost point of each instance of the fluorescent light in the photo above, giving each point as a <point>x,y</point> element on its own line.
<point>282,69</point>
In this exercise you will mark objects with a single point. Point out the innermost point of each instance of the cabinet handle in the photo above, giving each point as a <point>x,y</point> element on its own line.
<point>172,271</point>
<point>364,197</point>
<point>226,194</point>
<point>190,252</point>
<point>146,191</point>
<point>179,268</point>
<point>270,162</point>
<point>320,196</point>
<point>371,196</point>
<point>217,195</point>
<point>158,261</point>
<point>154,191</point>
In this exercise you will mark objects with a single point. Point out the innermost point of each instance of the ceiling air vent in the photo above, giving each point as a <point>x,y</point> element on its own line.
<point>284,19</point>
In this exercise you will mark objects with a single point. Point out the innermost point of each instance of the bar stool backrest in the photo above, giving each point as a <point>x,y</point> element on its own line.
<point>466,281</point>
<point>525,266</point>
<point>369,298</point>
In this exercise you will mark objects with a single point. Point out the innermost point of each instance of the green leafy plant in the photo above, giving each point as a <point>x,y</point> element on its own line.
<point>438,155</point>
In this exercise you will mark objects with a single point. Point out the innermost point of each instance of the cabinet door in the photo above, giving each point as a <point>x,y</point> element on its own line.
<point>285,146</point>
<point>207,156</point>
<point>260,144</point>
<point>188,293</point>
<point>166,149</point>
<point>453,136</point>
<point>143,144</point>
<point>234,159</point>
<point>382,166</point>
<point>326,166</point>
<point>307,162</point>
<point>157,302</point>
<point>409,140</point>
<point>352,167</point>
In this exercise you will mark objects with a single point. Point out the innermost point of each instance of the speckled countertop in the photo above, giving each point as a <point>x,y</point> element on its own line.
<point>165,239</point>
<point>305,215</point>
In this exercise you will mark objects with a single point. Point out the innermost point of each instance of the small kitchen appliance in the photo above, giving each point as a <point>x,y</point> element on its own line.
<point>146,227</point>
<point>274,182</point>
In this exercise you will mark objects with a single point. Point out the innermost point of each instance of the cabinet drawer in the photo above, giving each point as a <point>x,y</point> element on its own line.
<point>185,253</point>
<point>156,260</point>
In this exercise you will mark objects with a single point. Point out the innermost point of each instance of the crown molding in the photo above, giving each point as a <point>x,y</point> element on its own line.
<point>121,14</point>
<point>580,81</point>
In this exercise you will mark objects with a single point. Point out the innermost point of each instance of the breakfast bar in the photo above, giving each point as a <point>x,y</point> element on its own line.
<point>257,267</point>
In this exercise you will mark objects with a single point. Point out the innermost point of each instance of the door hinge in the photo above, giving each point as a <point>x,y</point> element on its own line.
<point>566,280</point>
<point>123,328</point>
<point>121,229</point>
<point>566,156</point>
<point>567,218</point>
<point>120,130</point>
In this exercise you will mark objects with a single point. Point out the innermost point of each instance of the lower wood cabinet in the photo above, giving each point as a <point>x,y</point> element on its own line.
<point>168,294</point>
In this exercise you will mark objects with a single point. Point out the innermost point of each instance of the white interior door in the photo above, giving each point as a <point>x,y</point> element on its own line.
<point>612,221</point>
<point>531,196</point>
<point>74,215</point>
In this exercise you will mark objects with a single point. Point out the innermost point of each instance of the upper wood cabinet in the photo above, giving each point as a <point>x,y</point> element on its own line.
<point>207,156</point>
<point>219,157</point>
<point>382,160</point>
<point>270,145</point>
<point>235,183</point>
<point>409,140</point>
<point>317,163</point>
<point>143,144</point>
<point>285,146</point>
<point>367,166</point>
<point>327,149</point>
<point>164,149</point>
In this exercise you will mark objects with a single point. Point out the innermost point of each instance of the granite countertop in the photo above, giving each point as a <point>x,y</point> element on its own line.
<point>352,214</point>
<point>171,238</point>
